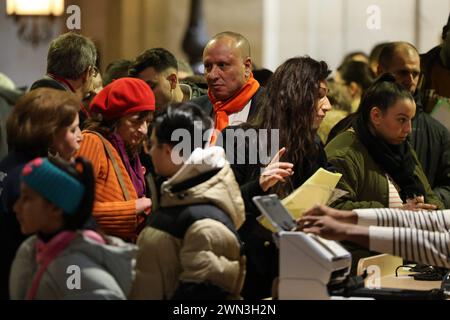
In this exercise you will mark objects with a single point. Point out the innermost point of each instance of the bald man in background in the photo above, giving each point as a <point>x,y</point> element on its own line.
<point>233,93</point>
<point>429,138</point>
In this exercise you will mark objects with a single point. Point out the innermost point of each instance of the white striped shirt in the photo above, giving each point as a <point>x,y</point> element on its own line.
<point>394,198</point>
<point>420,236</point>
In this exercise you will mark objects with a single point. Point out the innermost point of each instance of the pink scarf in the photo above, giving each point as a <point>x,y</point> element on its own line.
<point>47,252</point>
<point>134,167</point>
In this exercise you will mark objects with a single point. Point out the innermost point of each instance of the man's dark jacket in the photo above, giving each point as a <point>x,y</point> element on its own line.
<point>8,99</point>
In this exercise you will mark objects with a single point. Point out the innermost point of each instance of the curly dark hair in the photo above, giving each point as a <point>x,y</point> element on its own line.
<point>289,105</point>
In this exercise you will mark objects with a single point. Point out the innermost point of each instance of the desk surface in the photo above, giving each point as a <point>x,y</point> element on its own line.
<point>406,282</point>
<point>386,265</point>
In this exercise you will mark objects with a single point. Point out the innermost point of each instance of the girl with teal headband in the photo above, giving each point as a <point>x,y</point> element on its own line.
<point>44,122</point>
<point>63,261</point>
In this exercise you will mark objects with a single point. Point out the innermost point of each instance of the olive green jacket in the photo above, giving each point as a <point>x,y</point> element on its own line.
<point>362,178</point>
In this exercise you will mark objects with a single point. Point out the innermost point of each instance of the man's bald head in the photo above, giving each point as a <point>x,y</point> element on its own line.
<point>234,40</point>
<point>393,49</point>
<point>228,64</point>
<point>403,61</point>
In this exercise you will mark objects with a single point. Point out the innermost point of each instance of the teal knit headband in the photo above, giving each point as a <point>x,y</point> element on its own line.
<point>52,183</point>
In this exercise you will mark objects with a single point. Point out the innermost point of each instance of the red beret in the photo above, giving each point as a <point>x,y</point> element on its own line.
<point>123,96</point>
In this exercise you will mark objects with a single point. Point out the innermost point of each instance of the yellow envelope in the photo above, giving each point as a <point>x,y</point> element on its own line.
<point>316,190</point>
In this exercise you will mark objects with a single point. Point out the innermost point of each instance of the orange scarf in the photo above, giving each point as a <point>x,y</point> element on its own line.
<point>222,109</point>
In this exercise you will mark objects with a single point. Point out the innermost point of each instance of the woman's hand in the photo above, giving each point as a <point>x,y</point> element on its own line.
<point>143,206</point>
<point>275,171</point>
<point>340,215</point>
<point>325,227</point>
<point>418,203</point>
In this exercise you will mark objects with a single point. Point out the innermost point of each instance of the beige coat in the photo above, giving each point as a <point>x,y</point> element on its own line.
<point>186,242</point>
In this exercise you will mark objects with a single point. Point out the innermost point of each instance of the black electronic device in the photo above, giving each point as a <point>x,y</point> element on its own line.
<point>273,209</point>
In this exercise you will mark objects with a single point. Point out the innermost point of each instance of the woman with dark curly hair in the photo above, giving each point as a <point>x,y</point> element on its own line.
<point>291,111</point>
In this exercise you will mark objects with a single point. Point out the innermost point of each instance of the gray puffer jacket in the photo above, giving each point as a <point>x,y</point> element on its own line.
<point>105,270</point>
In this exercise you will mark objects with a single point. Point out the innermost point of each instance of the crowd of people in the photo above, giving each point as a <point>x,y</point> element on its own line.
<point>92,174</point>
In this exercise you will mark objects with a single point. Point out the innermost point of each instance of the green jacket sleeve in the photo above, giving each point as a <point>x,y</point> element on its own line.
<point>351,182</point>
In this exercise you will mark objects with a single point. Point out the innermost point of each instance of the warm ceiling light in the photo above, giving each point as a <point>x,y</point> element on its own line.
<point>35,18</point>
<point>35,7</point>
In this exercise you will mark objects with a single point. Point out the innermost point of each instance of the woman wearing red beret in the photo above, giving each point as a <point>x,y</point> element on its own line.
<point>121,114</point>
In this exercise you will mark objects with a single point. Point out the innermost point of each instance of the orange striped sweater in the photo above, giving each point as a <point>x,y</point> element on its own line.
<point>113,213</point>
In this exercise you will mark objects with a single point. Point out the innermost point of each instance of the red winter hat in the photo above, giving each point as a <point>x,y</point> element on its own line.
<point>123,96</point>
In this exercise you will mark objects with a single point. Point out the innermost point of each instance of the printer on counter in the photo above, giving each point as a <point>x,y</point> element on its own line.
<point>314,268</point>
<point>309,265</point>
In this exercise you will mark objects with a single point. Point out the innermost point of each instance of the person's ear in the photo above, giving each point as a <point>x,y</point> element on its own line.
<point>55,212</point>
<point>376,116</point>
<point>355,89</point>
<point>248,66</point>
<point>167,148</point>
<point>86,74</point>
<point>380,70</point>
<point>175,154</point>
<point>173,80</point>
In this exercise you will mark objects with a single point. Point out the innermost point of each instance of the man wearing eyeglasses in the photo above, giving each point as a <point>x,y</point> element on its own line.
<point>429,138</point>
<point>71,65</point>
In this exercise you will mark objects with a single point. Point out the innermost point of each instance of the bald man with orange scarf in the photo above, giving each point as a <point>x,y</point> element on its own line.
<point>232,91</point>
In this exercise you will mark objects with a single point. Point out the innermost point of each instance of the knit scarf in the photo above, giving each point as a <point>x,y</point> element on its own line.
<point>236,103</point>
<point>396,160</point>
<point>133,166</point>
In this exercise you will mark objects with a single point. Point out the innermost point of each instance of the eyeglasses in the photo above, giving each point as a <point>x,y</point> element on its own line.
<point>95,71</point>
<point>323,92</point>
